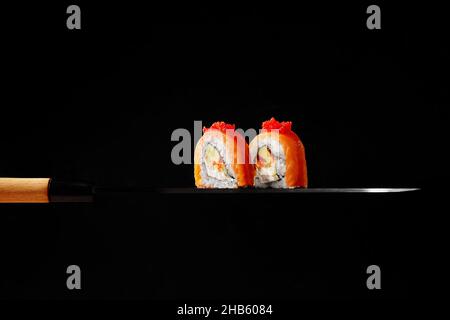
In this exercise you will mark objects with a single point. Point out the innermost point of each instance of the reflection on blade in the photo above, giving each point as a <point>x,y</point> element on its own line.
<point>307,190</point>
<point>363,190</point>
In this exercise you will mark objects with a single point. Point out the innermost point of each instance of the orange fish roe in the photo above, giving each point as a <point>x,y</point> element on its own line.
<point>283,127</point>
<point>221,126</point>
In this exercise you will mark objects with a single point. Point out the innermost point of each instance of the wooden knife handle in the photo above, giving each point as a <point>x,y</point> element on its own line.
<point>24,190</point>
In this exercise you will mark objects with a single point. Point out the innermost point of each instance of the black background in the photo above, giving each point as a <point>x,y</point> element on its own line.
<point>100,103</point>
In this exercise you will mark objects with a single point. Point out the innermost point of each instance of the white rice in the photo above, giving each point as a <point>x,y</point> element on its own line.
<point>272,143</point>
<point>230,181</point>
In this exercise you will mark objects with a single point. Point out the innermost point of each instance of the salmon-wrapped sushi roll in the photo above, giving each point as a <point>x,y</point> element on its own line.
<point>279,157</point>
<point>221,158</point>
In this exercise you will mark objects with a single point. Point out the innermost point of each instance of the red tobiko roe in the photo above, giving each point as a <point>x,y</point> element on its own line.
<point>283,127</point>
<point>221,126</point>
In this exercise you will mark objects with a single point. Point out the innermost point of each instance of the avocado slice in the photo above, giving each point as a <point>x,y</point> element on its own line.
<point>266,165</point>
<point>215,166</point>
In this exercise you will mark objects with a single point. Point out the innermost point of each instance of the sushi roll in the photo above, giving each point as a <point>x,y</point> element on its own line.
<point>221,158</point>
<point>279,157</point>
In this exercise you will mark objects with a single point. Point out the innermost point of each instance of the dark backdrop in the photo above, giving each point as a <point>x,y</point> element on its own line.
<point>100,104</point>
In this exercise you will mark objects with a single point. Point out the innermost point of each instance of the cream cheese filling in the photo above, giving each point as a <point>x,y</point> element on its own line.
<point>215,166</point>
<point>266,166</point>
